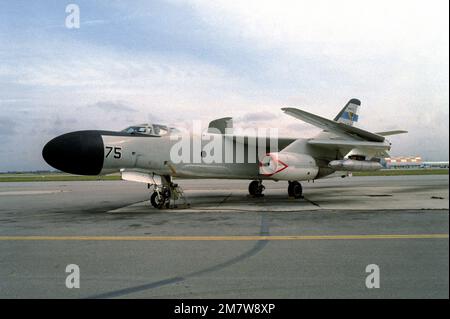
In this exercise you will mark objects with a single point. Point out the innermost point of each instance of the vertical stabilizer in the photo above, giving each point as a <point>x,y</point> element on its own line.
<point>349,114</point>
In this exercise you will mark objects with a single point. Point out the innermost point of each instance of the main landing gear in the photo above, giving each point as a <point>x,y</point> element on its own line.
<point>295,189</point>
<point>256,189</point>
<point>165,193</point>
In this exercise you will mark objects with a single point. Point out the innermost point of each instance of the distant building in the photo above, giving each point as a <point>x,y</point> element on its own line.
<point>411,162</point>
<point>403,162</point>
<point>434,164</point>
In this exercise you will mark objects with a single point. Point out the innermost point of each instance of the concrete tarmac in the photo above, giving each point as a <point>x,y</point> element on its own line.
<point>226,244</point>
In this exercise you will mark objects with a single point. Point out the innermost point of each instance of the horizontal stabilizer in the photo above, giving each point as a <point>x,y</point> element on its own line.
<point>332,126</point>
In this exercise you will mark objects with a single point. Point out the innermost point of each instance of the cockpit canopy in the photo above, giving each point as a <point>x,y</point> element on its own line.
<point>150,129</point>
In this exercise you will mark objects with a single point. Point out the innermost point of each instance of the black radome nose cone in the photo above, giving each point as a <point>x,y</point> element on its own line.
<point>78,153</point>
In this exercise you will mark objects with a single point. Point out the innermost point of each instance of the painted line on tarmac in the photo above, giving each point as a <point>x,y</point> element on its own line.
<point>222,238</point>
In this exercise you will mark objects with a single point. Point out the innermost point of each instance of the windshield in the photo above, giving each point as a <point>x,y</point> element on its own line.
<point>135,129</point>
<point>160,129</point>
<point>152,130</point>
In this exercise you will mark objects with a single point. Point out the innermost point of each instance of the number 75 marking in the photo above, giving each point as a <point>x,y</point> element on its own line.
<point>117,153</point>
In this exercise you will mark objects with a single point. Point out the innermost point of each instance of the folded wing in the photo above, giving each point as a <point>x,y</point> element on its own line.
<point>342,129</point>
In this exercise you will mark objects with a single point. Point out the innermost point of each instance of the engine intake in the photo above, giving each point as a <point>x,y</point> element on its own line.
<point>288,166</point>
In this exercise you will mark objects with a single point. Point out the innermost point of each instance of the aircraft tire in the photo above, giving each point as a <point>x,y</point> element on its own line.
<point>255,188</point>
<point>153,200</point>
<point>295,190</point>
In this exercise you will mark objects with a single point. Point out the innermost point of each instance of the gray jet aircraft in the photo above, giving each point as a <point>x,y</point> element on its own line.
<point>155,154</point>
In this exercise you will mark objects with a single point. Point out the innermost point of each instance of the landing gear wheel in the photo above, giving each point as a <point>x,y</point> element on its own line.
<point>160,200</point>
<point>155,200</point>
<point>256,188</point>
<point>295,190</point>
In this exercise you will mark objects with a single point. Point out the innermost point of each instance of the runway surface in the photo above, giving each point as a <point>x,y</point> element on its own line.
<point>226,244</point>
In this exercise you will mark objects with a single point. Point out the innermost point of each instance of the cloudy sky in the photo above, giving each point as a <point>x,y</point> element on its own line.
<point>176,61</point>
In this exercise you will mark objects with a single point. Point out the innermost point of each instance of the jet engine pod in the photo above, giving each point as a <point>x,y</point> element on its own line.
<point>288,166</point>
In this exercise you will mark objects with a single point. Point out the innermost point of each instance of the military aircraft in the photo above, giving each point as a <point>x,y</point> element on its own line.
<point>155,154</point>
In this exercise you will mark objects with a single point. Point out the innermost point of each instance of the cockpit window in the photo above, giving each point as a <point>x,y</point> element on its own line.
<point>160,129</point>
<point>135,129</point>
<point>150,129</point>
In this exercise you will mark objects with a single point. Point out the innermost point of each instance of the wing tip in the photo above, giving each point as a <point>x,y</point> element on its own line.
<point>389,133</point>
<point>289,109</point>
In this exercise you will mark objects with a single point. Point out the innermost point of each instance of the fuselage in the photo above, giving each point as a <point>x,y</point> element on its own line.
<point>103,152</point>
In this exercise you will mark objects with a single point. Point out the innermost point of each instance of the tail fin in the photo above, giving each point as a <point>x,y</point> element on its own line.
<point>349,113</point>
<point>221,125</point>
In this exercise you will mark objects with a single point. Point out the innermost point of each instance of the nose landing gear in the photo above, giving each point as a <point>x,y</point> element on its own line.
<point>166,194</point>
<point>161,197</point>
